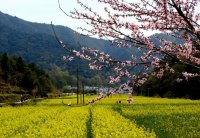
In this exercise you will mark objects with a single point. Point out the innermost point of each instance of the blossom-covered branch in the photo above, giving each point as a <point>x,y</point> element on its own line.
<point>125,23</point>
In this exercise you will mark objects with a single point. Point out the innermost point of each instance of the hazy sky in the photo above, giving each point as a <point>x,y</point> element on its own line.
<point>42,11</point>
<point>45,11</point>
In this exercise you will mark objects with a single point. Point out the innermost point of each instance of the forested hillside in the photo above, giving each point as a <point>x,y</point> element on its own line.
<point>23,77</point>
<point>35,42</point>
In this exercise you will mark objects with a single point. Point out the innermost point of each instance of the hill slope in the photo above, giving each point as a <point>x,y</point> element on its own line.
<point>35,42</point>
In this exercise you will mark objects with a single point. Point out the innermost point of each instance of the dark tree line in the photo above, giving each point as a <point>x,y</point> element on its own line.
<point>14,71</point>
<point>169,86</point>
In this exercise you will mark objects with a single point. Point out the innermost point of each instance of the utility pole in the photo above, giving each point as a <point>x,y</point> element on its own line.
<point>83,92</point>
<point>80,93</point>
<point>77,84</point>
<point>149,91</point>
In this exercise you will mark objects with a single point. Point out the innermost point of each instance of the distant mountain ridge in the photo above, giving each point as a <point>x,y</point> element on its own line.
<point>66,34</point>
<point>35,42</point>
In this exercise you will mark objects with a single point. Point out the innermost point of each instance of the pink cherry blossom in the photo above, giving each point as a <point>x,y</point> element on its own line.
<point>125,23</point>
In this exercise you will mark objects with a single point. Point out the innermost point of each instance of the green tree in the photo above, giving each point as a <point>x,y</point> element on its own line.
<point>59,79</point>
<point>96,80</point>
<point>29,80</point>
<point>20,65</point>
<point>5,62</point>
<point>66,89</point>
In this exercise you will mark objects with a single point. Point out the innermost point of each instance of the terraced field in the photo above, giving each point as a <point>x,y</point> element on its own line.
<point>146,117</point>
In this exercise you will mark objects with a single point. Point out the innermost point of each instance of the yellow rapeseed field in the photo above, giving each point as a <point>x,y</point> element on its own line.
<point>145,118</point>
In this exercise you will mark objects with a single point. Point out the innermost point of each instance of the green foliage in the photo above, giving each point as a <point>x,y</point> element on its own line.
<point>66,89</point>
<point>62,78</point>
<point>96,80</point>
<point>27,76</point>
<point>35,43</point>
<point>4,98</point>
<point>4,62</point>
<point>168,86</point>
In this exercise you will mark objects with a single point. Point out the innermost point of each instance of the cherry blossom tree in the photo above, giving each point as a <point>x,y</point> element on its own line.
<point>125,22</point>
